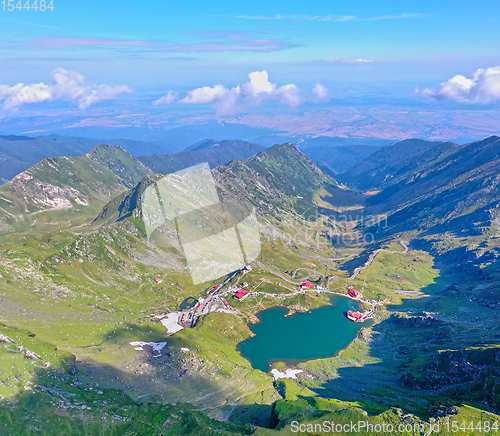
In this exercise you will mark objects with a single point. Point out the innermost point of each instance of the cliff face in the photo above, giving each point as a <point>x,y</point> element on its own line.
<point>472,372</point>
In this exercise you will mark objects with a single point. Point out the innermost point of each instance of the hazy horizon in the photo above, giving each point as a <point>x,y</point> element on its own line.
<point>385,71</point>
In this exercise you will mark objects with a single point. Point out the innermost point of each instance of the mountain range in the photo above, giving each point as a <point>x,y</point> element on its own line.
<point>215,153</point>
<point>453,201</point>
<point>18,153</point>
<point>79,282</point>
<point>69,184</point>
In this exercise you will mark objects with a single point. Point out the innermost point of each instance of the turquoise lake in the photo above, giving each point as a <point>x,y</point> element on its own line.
<point>303,336</point>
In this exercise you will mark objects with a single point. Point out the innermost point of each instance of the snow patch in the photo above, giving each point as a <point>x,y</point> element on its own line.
<point>170,322</point>
<point>156,346</point>
<point>289,373</point>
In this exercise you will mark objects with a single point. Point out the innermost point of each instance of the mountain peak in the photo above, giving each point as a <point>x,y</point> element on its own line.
<point>277,178</point>
<point>103,148</point>
<point>128,169</point>
<point>202,145</point>
<point>492,138</point>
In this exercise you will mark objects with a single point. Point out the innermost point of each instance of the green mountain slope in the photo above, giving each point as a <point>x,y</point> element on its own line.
<point>69,184</point>
<point>455,202</point>
<point>461,184</point>
<point>395,162</point>
<point>120,162</point>
<point>286,169</point>
<point>19,153</point>
<point>213,152</point>
<point>101,278</point>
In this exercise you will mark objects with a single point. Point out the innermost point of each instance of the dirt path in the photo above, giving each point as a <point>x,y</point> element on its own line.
<point>286,279</point>
<point>404,244</point>
<point>321,258</point>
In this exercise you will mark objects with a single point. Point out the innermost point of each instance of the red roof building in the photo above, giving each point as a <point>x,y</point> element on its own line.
<point>355,316</point>
<point>307,285</point>
<point>241,294</point>
<point>353,293</point>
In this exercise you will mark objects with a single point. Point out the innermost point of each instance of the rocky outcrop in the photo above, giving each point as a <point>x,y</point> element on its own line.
<point>489,298</point>
<point>28,354</point>
<point>43,195</point>
<point>417,321</point>
<point>5,339</point>
<point>474,372</point>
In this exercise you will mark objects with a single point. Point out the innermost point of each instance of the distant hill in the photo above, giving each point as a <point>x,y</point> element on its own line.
<point>209,150</point>
<point>14,138</point>
<point>18,153</point>
<point>339,159</point>
<point>335,141</point>
<point>394,162</point>
<point>203,145</point>
<point>175,139</point>
<point>69,183</point>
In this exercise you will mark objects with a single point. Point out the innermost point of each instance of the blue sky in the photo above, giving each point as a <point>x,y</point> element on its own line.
<point>140,51</point>
<point>159,43</point>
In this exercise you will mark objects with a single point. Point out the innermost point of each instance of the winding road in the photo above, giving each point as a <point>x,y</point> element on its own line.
<point>372,257</point>
<point>285,278</point>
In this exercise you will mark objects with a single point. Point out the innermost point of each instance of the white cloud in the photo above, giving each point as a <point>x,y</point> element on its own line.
<point>259,83</point>
<point>225,100</point>
<point>206,94</point>
<point>321,92</point>
<point>396,17</point>
<point>169,98</point>
<point>221,41</point>
<point>482,87</point>
<point>229,102</point>
<point>289,95</point>
<point>66,84</point>
<point>259,45</point>
<point>20,94</point>
<point>72,85</point>
<point>252,93</point>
